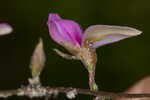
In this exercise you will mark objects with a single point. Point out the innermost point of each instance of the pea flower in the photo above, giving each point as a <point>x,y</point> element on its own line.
<point>82,44</point>
<point>70,32</point>
<point>5,29</point>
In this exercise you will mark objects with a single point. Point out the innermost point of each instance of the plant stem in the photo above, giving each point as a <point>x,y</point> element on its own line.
<point>44,91</point>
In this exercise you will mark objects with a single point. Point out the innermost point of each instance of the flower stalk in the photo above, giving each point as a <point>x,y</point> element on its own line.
<point>92,83</point>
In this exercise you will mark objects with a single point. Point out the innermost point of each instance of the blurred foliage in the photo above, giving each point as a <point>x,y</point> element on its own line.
<point>119,65</point>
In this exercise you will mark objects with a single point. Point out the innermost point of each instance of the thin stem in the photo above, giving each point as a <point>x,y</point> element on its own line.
<point>92,84</point>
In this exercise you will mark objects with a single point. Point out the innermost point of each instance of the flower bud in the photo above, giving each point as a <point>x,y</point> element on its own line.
<point>5,29</point>
<point>38,59</point>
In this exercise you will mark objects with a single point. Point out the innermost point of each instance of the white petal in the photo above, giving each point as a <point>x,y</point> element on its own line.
<point>105,34</point>
<point>5,29</point>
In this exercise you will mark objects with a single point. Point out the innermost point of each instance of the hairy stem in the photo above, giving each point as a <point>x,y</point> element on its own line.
<point>44,91</point>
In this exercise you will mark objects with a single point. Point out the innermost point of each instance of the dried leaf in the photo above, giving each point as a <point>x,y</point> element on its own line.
<point>140,87</point>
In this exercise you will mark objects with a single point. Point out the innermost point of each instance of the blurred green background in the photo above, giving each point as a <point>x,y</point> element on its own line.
<point>119,65</point>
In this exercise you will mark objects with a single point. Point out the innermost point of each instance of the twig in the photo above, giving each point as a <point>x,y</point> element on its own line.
<point>44,91</point>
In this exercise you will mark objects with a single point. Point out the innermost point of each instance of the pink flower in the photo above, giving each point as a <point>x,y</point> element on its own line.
<point>69,34</point>
<point>62,30</point>
<point>5,29</point>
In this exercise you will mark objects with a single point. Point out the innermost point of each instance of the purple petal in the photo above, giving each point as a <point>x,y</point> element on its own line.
<point>62,30</point>
<point>54,16</point>
<point>104,34</point>
<point>5,29</point>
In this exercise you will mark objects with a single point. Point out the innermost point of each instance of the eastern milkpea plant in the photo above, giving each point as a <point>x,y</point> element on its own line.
<point>82,45</point>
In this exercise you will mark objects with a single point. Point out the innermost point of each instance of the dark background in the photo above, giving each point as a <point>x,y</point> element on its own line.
<point>119,65</point>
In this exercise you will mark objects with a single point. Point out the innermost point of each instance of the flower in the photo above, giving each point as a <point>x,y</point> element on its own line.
<point>69,34</point>
<point>5,29</point>
<point>68,31</point>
